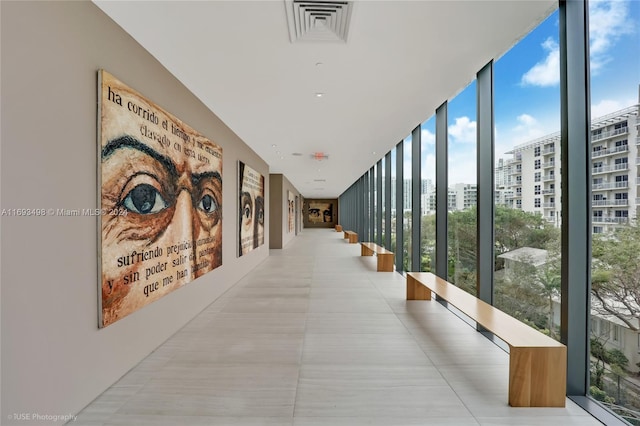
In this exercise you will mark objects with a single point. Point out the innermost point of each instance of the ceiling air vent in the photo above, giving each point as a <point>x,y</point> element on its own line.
<point>324,21</point>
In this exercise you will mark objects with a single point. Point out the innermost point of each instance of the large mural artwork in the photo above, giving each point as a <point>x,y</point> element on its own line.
<point>160,186</point>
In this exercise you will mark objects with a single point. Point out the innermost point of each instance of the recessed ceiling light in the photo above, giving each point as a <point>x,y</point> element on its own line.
<point>273,145</point>
<point>319,94</point>
<point>282,158</point>
<point>278,152</point>
<point>318,64</point>
<point>374,153</point>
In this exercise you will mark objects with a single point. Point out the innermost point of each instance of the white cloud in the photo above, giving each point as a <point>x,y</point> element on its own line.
<point>463,131</point>
<point>526,129</point>
<point>526,120</point>
<point>427,138</point>
<point>608,21</point>
<point>428,169</point>
<point>462,167</point>
<point>546,72</point>
<point>607,106</point>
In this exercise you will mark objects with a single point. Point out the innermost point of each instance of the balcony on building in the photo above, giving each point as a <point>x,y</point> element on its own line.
<point>609,185</point>
<point>609,134</point>
<point>609,151</point>
<point>612,203</point>
<point>612,167</point>
<point>616,220</point>
<point>549,150</point>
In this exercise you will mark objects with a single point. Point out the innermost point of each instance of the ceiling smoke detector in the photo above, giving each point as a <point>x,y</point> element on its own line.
<point>323,21</point>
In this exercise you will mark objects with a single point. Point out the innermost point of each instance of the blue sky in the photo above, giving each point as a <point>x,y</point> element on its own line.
<point>527,90</point>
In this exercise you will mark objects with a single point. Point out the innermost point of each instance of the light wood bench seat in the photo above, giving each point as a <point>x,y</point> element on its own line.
<point>537,363</point>
<point>385,257</point>
<point>351,236</point>
<point>338,228</point>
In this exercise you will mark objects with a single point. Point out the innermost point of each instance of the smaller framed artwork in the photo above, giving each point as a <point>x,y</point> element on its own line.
<point>320,213</point>
<point>291,216</point>
<point>250,209</point>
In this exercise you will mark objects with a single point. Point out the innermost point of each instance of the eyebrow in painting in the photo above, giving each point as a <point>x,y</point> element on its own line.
<point>197,177</point>
<point>246,198</point>
<point>128,141</point>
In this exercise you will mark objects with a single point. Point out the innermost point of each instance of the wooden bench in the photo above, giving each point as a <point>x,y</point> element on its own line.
<point>351,236</point>
<point>537,363</point>
<point>338,228</point>
<point>385,257</point>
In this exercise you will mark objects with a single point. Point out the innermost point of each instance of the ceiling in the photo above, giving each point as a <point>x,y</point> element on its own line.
<point>401,60</point>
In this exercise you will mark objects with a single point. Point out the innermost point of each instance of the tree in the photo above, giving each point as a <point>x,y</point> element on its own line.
<point>615,280</point>
<point>462,234</point>
<point>549,279</point>
<point>519,294</point>
<point>428,242</point>
<point>528,291</point>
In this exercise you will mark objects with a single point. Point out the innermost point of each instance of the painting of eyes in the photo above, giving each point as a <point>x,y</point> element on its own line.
<point>250,209</point>
<point>165,181</point>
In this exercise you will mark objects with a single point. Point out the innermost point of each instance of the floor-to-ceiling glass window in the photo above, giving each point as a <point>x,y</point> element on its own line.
<point>384,207</point>
<point>527,183</point>
<point>374,212</point>
<point>428,195</point>
<point>407,207</point>
<point>615,181</point>
<point>393,206</point>
<point>462,191</point>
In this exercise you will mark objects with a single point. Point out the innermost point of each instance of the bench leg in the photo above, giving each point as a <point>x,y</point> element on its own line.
<point>345,235</point>
<point>537,377</point>
<point>353,238</point>
<point>385,262</point>
<point>416,291</point>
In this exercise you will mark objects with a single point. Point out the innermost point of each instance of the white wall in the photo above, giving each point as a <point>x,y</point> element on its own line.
<point>55,360</point>
<point>287,186</point>
<point>279,209</point>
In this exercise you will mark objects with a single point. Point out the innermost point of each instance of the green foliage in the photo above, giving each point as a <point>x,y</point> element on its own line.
<point>515,228</point>
<point>597,349</point>
<point>615,279</point>
<point>597,375</point>
<point>600,395</point>
<point>615,357</point>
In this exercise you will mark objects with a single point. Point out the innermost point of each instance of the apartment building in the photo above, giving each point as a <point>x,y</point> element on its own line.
<point>530,179</point>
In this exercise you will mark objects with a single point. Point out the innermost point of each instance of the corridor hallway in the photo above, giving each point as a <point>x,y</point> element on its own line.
<point>314,336</point>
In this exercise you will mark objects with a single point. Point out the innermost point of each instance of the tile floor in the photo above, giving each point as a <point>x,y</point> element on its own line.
<point>314,336</point>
